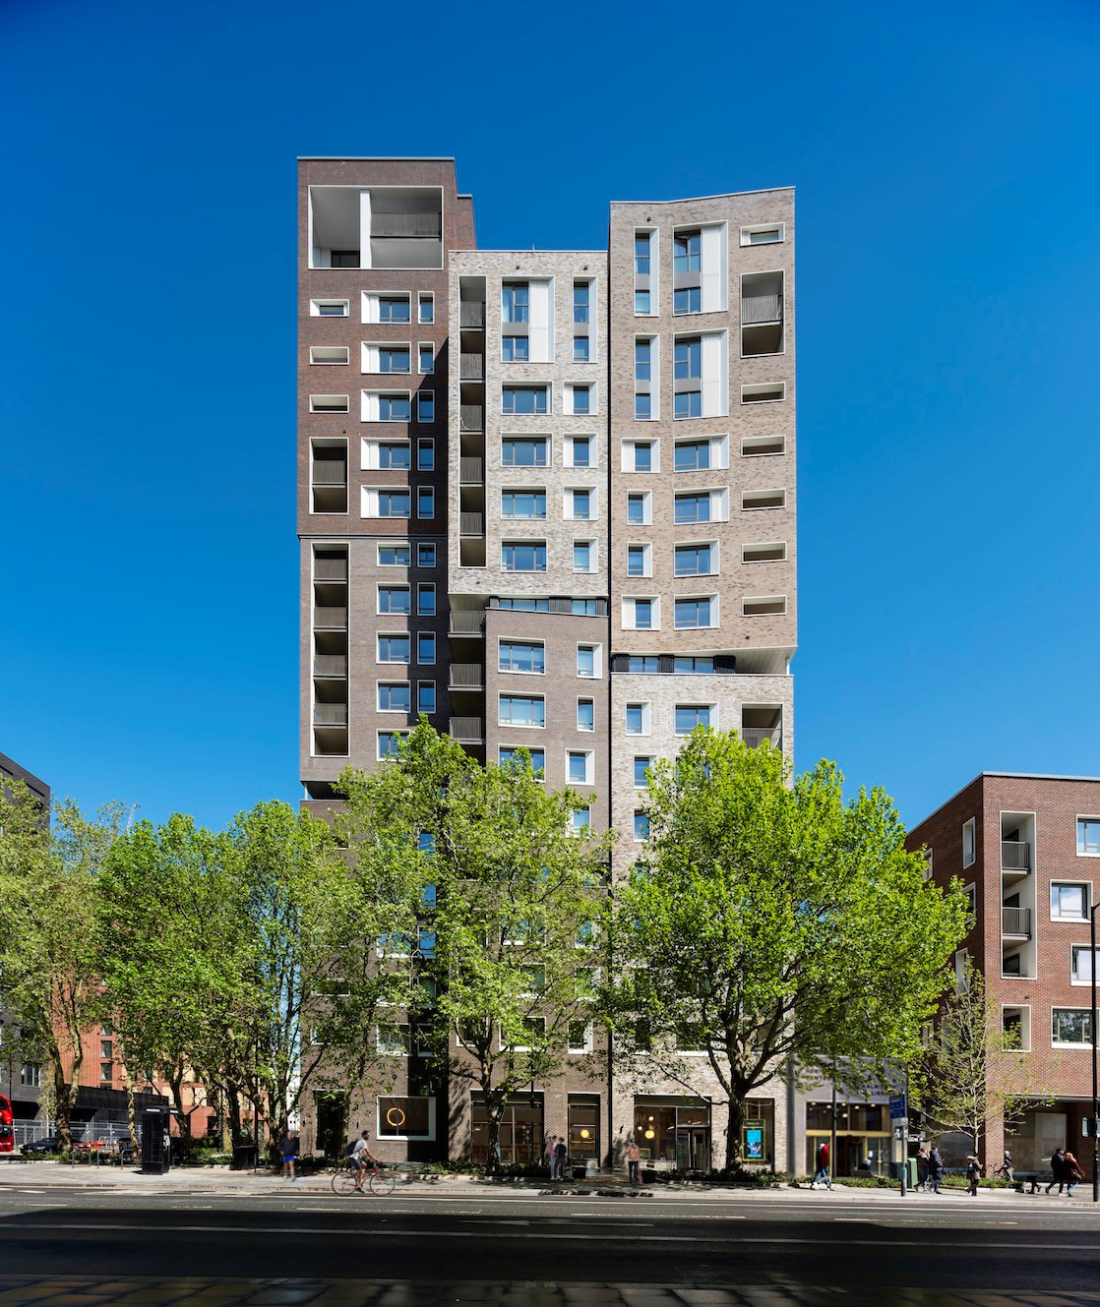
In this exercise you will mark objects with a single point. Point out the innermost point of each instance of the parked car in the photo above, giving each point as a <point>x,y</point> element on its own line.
<point>51,1144</point>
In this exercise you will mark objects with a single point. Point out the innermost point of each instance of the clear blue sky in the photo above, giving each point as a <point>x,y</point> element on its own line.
<point>945,157</point>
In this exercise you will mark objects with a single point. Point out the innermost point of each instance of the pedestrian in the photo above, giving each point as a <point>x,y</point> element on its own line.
<point>561,1152</point>
<point>1057,1170</point>
<point>1005,1168</point>
<point>552,1154</point>
<point>288,1151</point>
<point>973,1174</point>
<point>935,1169</point>
<point>922,1170</point>
<point>1071,1169</point>
<point>633,1159</point>
<point>822,1172</point>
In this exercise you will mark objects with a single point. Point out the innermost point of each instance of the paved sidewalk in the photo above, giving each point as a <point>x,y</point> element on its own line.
<point>150,1291</point>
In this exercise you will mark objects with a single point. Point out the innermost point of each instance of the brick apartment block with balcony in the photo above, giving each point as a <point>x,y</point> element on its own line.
<point>1028,850</point>
<point>602,528</point>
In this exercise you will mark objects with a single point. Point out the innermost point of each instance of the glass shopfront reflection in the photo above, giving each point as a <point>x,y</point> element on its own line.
<point>521,1130</point>
<point>675,1131</point>
<point>584,1127</point>
<point>862,1137</point>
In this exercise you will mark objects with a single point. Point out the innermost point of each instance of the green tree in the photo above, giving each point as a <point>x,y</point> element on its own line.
<point>773,927</point>
<point>972,1072</point>
<point>50,983</point>
<point>505,890</point>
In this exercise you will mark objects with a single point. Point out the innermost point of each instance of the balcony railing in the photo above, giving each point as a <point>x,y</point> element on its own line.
<point>330,619</point>
<point>330,474</point>
<point>1015,856</point>
<point>406,224</point>
<point>466,622</point>
<point>467,730</point>
<point>471,524</point>
<point>472,417</point>
<point>330,569</point>
<point>1016,921</point>
<point>466,676</point>
<point>471,314</point>
<point>754,736</point>
<point>331,665</point>
<point>761,308</point>
<point>330,714</point>
<point>471,367</point>
<point>471,470</point>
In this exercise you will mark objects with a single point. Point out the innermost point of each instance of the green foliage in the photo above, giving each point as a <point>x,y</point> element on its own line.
<point>776,928</point>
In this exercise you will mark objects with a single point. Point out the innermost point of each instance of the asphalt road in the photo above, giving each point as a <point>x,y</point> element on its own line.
<point>801,1241</point>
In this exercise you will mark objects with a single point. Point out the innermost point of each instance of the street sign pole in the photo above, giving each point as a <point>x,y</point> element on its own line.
<point>899,1119</point>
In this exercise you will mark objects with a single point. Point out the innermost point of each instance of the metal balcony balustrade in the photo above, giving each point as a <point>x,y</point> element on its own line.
<point>471,367</point>
<point>331,665</point>
<point>330,473</point>
<point>406,225</point>
<point>1015,855</point>
<point>757,309</point>
<point>471,470</point>
<point>1016,921</point>
<point>330,714</point>
<point>472,417</point>
<point>328,618</point>
<point>467,730</point>
<point>471,524</point>
<point>471,314</point>
<point>466,676</point>
<point>465,622</point>
<point>754,736</point>
<point>330,569</point>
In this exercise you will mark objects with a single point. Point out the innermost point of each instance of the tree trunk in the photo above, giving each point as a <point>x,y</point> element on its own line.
<point>494,1107</point>
<point>175,1083</point>
<point>131,1115</point>
<point>63,1104</point>
<point>734,1132</point>
<point>233,1111</point>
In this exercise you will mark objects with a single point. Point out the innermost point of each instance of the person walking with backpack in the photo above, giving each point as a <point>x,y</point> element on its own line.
<point>822,1172</point>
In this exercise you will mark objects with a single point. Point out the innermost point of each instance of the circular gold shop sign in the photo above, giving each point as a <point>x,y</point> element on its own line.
<point>649,1134</point>
<point>395,1117</point>
<point>584,1134</point>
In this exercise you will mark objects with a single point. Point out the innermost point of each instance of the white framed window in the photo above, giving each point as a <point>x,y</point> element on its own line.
<point>590,660</point>
<point>581,504</point>
<point>329,355</point>
<point>586,714</point>
<point>1088,837</point>
<point>753,500</point>
<point>764,392</point>
<point>642,764</point>
<point>328,308</point>
<point>1016,1028</point>
<point>582,820</point>
<point>1069,900</point>
<point>425,352</point>
<point>425,696</point>
<point>767,233</point>
<point>641,826</point>
<point>328,403</point>
<point>406,1118</point>
<point>425,648</point>
<point>394,648</point>
<point>425,554</point>
<point>392,455</point>
<point>527,657</point>
<point>1081,964</point>
<point>690,506</point>
<point>425,598</point>
<point>696,559</point>
<point>527,711</point>
<point>388,743</point>
<point>386,357</point>
<point>695,612</point>
<point>761,446</point>
<point>580,1037</point>
<point>523,556</point>
<point>639,560</point>
<point>386,501</point>
<point>641,613</point>
<point>581,399</point>
<point>700,453</point>
<point>425,406</point>
<point>395,696</point>
<point>394,599</point>
<point>386,406</point>
<point>1071,1027</point>
<point>969,841</point>
<point>770,551</point>
<point>580,451</point>
<point>585,556</point>
<point>962,956</point>
<point>425,307</point>
<point>525,401</point>
<point>386,308</point>
<point>637,718</point>
<point>425,454</point>
<point>425,501</point>
<point>763,605</point>
<point>641,455</point>
<point>580,767</point>
<point>639,508</point>
<point>690,715</point>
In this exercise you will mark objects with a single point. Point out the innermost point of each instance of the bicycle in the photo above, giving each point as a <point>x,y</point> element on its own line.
<point>347,1180</point>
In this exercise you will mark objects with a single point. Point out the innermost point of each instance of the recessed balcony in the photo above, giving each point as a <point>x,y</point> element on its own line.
<point>466,677</point>
<point>1015,857</point>
<point>467,730</point>
<point>1016,923</point>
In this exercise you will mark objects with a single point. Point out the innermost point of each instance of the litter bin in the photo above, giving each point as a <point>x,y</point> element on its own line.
<point>156,1141</point>
<point>245,1157</point>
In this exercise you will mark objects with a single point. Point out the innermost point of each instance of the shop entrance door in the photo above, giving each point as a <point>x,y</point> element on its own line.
<point>693,1148</point>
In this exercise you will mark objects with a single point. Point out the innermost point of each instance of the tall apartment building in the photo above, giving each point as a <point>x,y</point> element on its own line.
<point>548,498</point>
<point>1026,848</point>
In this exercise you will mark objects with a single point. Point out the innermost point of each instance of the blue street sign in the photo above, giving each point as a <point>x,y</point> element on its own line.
<point>898,1109</point>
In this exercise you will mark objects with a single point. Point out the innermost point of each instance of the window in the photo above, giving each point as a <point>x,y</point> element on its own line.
<point>758,446</point>
<point>515,302</point>
<point>406,1118</point>
<point>425,647</point>
<point>425,696</point>
<point>688,359</point>
<point>328,403</point>
<point>394,455</point>
<point>1071,1026</point>
<point>580,505</point>
<point>522,710</point>
<point>511,605</point>
<point>523,556</point>
<point>764,392</point>
<point>523,504</point>
<point>588,660</point>
<point>692,455</point>
<point>514,349</point>
<point>643,359</point>
<point>637,719</point>
<point>508,754</point>
<point>687,299</point>
<point>638,560</point>
<point>643,407</point>
<point>1069,902</point>
<point>641,827</point>
<point>581,301</point>
<point>393,599</point>
<point>393,556</point>
<point>343,258</point>
<point>969,836</point>
<point>580,349</point>
<point>765,552</point>
<point>582,400</point>
<point>521,656</point>
<point>641,614</point>
<point>393,308</point>
<point>693,666</point>
<point>641,253</point>
<point>393,649</point>
<point>580,1037</point>
<point>645,455</point>
<point>1081,962</point>
<point>758,499</point>
<point>389,743</point>
<point>641,768</point>
<point>696,560</point>
<point>425,454</point>
<point>425,599</point>
<point>579,451</point>
<point>584,556</point>
<point>579,769</point>
<point>106,1049</point>
<point>328,354</point>
<point>524,400</point>
<point>106,1072</point>
<point>582,820</point>
<point>687,404</point>
<point>427,359</point>
<point>1088,836</point>
<point>686,249</point>
<point>425,501</point>
<point>689,716</point>
<point>425,406</point>
<point>694,613</point>
<point>587,608</point>
<point>393,358</point>
<point>328,308</point>
<point>30,1074</point>
<point>394,408</point>
<point>425,555</point>
<point>764,606</point>
<point>638,509</point>
<point>524,451</point>
<point>641,303</point>
<point>426,307</point>
<point>768,234</point>
<point>394,697</point>
<point>692,507</point>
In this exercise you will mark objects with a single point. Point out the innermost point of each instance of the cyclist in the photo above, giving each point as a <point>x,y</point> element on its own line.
<point>359,1154</point>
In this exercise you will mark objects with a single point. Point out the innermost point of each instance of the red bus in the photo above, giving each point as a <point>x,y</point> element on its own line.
<point>7,1130</point>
